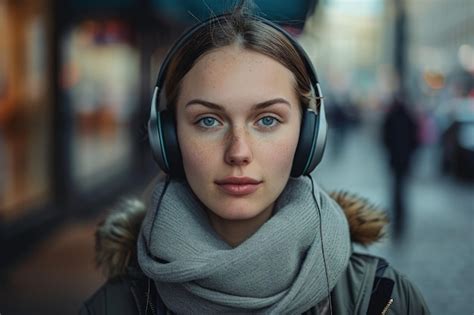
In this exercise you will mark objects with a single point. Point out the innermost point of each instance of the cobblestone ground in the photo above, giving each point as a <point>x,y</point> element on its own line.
<point>437,249</point>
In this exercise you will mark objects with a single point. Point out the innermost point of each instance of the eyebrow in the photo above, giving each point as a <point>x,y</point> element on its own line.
<point>260,105</point>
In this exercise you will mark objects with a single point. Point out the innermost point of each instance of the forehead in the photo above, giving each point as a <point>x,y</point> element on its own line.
<point>232,72</point>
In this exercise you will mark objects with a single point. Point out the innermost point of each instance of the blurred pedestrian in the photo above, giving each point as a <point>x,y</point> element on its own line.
<point>400,137</point>
<point>339,122</point>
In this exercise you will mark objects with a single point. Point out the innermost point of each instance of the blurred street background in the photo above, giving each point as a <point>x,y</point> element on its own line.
<point>76,79</point>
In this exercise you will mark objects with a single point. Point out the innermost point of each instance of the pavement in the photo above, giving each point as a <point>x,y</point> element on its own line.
<point>56,277</point>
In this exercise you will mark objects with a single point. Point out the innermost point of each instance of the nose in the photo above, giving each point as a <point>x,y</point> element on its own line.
<point>238,152</point>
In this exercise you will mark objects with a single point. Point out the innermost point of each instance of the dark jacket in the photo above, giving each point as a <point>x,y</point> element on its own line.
<point>400,136</point>
<point>368,286</point>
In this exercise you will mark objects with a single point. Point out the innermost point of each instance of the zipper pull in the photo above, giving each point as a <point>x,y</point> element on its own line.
<point>385,309</point>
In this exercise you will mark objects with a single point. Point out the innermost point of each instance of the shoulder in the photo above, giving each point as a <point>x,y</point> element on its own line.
<point>113,297</point>
<point>407,298</point>
<point>129,293</point>
<point>371,285</point>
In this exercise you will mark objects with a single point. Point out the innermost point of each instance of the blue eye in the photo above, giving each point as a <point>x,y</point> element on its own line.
<point>207,122</point>
<point>268,121</point>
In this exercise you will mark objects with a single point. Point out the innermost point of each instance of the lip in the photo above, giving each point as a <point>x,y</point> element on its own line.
<point>239,186</point>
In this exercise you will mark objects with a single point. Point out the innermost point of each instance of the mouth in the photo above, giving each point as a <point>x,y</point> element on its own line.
<point>239,186</point>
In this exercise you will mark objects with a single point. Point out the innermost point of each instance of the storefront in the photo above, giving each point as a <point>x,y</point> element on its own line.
<point>25,110</point>
<point>75,83</point>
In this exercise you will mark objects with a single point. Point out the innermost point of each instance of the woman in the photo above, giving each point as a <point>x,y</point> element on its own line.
<point>228,230</point>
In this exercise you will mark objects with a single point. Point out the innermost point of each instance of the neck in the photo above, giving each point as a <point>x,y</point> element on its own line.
<point>235,232</point>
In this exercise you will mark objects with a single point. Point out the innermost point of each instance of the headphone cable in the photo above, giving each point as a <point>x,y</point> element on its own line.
<point>162,194</point>
<point>167,181</point>
<point>322,243</point>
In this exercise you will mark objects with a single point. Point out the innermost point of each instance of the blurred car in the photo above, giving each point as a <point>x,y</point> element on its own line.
<point>457,140</point>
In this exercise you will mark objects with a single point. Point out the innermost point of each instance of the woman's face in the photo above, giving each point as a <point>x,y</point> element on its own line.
<point>238,122</point>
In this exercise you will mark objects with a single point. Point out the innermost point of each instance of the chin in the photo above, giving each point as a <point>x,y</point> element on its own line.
<point>238,211</point>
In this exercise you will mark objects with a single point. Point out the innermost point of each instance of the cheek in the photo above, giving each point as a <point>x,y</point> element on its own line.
<point>199,155</point>
<point>284,159</point>
<point>195,156</point>
<point>278,155</point>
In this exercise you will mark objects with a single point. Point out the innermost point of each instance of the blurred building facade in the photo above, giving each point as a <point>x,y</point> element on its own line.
<point>441,49</point>
<point>25,108</point>
<point>355,44</point>
<point>75,78</point>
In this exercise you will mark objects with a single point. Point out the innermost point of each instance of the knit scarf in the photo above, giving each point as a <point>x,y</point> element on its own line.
<point>280,269</point>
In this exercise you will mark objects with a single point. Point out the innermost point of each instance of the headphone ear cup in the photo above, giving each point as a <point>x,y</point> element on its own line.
<point>164,143</point>
<point>311,143</point>
<point>171,145</point>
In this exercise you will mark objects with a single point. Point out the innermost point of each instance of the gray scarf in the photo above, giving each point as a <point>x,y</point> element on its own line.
<point>279,269</point>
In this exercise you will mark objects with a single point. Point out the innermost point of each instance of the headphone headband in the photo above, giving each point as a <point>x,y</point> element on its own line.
<point>187,35</point>
<point>162,125</point>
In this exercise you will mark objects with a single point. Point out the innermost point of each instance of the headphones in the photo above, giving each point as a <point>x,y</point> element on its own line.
<point>162,126</point>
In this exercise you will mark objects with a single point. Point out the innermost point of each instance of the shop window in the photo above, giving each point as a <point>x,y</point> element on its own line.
<point>25,110</point>
<point>100,76</point>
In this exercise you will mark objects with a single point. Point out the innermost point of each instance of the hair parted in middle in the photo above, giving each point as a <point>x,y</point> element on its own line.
<point>240,28</point>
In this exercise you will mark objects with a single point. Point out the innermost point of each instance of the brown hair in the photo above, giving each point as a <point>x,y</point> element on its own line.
<point>238,28</point>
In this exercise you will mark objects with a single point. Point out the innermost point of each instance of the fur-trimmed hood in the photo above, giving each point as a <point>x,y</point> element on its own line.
<point>116,236</point>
